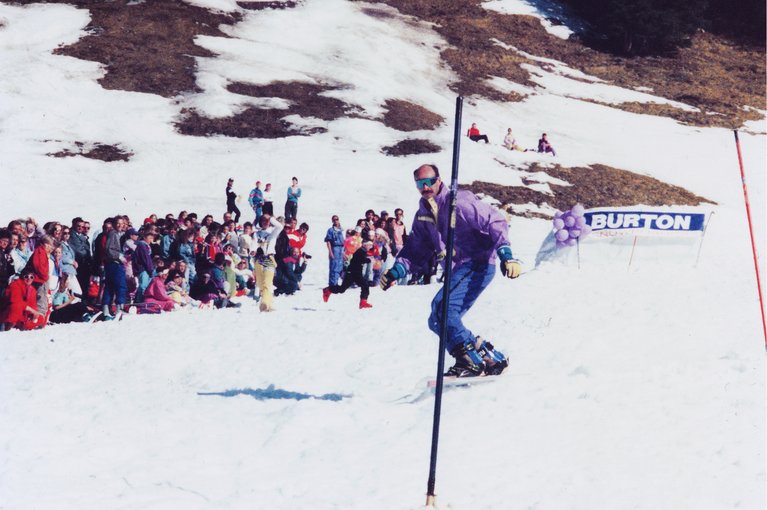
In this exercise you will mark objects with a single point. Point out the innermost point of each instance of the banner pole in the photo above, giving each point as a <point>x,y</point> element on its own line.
<point>430,495</point>
<point>578,250</point>
<point>634,245</point>
<point>703,237</point>
<point>751,231</point>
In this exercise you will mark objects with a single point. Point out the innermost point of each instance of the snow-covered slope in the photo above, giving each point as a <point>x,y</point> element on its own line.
<point>630,387</point>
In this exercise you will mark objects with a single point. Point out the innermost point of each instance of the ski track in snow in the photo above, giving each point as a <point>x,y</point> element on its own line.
<point>629,387</point>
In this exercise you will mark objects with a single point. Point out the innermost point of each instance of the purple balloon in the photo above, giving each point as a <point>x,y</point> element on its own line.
<point>561,244</point>
<point>577,210</point>
<point>561,235</point>
<point>571,242</point>
<point>558,214</point>
<point>558,223</point>
<point>580,221</point>
<point>586,230</point>
<point>575,233</point>
<point>569,221</point>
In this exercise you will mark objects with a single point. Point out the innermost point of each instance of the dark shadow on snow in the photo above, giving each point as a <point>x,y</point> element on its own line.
<point>272,393</point>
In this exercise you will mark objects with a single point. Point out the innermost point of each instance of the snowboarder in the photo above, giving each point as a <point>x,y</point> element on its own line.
<point>480,235</point>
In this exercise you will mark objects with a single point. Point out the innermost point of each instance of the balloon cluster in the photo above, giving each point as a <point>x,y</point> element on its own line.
<point>569,226</point>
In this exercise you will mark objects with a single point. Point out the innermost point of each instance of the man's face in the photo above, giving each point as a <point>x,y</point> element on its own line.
<point>4,242</point>
<point>293,224</point>
<point>336,221</point>
<point>427,182</point>
<point>120,225</point>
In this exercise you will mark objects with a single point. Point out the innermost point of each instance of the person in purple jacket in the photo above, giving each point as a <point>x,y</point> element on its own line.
<point>480,236</point>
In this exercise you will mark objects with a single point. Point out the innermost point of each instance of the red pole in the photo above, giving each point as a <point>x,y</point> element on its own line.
<point>751,231</point>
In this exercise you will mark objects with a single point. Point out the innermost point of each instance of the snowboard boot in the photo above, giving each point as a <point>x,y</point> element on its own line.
<point>364,304</point>
<point>468,362</point>
<point>326,294</point>
<point>495,361</point>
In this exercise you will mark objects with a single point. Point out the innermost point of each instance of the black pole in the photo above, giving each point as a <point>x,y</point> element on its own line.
<point>430,496</point>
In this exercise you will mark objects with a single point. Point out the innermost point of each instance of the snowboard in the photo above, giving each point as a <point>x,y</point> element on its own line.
<point>426,387</point>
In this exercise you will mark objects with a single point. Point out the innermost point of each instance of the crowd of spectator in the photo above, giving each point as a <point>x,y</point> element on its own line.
<point>57,273</point>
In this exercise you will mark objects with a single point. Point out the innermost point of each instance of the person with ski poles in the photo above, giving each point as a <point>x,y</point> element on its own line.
<point>481,236</point>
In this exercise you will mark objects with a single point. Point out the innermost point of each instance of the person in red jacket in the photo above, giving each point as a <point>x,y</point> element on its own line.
<point>19,307</point>
<point>40,265</point>
<point>474,135</point>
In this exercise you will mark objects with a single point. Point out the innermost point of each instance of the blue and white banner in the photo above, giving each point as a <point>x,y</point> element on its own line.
<point>611,223</point>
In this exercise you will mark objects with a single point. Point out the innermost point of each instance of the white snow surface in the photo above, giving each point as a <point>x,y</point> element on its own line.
<point>631,386</point>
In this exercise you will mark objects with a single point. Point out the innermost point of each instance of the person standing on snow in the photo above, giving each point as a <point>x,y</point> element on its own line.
<point>268,200</point>
<point>334,239</point>
<point>291,205</point>
<point>256,201</point>
<point>480,235</point>
<point>231,199</point>
<point>266,234</point>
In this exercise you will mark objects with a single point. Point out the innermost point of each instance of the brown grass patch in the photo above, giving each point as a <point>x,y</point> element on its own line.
<point>100,151</point>
<point>406,116</point>
<point>411,146</point>
<point>305,100</point>
<point>147,47</point>
<point>714,75</point>
<point>594,186</point>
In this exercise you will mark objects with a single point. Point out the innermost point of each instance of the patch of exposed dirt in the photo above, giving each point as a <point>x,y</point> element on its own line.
<point>713,74</point>
<point>251,123</point>
<point>306,100</point>
<point>594,186</point>
<point>411,146</point>
<point>145,47</point>
<point>258,6</point>
<point>406,116</point>
<point>101,151</point>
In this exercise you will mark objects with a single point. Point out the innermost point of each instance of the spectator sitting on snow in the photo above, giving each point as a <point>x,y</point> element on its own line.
<point>66,306</point>
<point>544,145</point>
<point>18,305</point>
<point>511,143</point>
<point>176,288</point>
<point>287,280</point>
<point>474,134</point>
<point>156,293</point>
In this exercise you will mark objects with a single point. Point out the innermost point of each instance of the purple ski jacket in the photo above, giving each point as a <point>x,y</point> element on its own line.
<point>479,231</point>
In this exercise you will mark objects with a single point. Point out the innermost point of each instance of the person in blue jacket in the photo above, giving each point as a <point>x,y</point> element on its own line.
<point>291,205</point>
<point>334,239</point>
<point>256,201</point>
<point>481,236</point>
